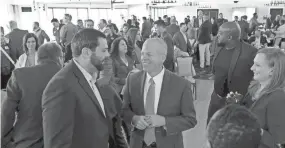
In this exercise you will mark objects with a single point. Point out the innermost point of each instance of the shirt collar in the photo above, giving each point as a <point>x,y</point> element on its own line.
<point>86,74</point>
<point>156,78</point>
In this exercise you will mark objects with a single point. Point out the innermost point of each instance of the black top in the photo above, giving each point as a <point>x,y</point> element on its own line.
<point>222,65</point>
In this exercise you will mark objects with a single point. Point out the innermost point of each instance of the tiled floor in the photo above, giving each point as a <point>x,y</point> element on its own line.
<point>195,138</point>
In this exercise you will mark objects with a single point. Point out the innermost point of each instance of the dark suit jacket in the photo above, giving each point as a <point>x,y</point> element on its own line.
<point>146,29</point>
<point>121,71</point>
<point>72,116</point>
<point>244,27</point>
<point>16,42</point>
<point>24,93</point>
<point>269,110</point>
<point>172,29</point>
<point>196,23</point>
<point>239,75</point>
<point>180,42</point>
<point>205,32</point>
<point>169,62</point>
<point>175,104</point>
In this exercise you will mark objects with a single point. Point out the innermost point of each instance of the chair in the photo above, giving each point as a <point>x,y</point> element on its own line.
<point>185,68</point>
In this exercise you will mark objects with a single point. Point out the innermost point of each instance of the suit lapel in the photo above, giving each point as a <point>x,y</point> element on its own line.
<point>85,86</point>
<point>234,60</point>
<point>216,54</point>
<point>141,92</point>
<point>165,88</point>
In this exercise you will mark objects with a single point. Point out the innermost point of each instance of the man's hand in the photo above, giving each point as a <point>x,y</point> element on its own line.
<point>155,120</point>
<point>139,122</point>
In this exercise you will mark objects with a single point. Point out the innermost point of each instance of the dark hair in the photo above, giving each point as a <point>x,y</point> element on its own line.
<point>144,18</point>
<point>69,16</point>
<point>54,20</point>
<point>181,24</point>
<point>254,14</point>
<point>79,20</point>
<point>165,16</point>
<point>126,25</point>
<point>25,39</point>
<point>37,23</point>
<point>234,126</point>
<point>114,52</point>
<point>49,51</point>
<point>129,21</point>
<point>104,21</point>
<point>89,20</point>
<point>160,23</point>
<point>85,38</point>
<point>2,30</point>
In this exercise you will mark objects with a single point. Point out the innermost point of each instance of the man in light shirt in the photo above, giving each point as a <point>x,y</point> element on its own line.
<point>157,102</point>
<point>77,112</point>
<point>102,25</point>
<point>67,31</point>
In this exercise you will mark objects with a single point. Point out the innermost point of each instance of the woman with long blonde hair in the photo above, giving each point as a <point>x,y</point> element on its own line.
<point>266,95</point>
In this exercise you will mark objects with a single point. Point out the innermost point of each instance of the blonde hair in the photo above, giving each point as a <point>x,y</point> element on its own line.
<point>276,60</point>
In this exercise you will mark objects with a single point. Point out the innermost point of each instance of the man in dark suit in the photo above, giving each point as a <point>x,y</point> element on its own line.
<point>231,65</point>
<point>221,20</point>
<point>146,29</point>
<point>234,126</point>
<point>173,27</point>
<point>16,40</point>
<point>76,112</point>
<point>157,102</point>
<point>161,30</point>
<point>181,40</point>
<point>24,93</point>
<point>244,26</point>
<point>199,20</point>
<point>204,39</point>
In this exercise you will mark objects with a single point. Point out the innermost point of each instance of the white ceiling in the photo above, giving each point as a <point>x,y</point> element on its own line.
<point>131,2</point>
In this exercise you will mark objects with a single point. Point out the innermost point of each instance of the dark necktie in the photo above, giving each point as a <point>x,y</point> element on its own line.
<point>149,136</point>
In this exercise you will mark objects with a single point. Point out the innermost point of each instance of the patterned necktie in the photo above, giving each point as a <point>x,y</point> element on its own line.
<point>149,136</point>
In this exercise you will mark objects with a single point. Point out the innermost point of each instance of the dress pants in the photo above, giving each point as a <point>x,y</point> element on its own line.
<point>204,51</point>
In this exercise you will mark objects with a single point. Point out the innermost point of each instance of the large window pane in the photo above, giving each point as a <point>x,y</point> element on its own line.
<point>82,14</point>
<point>58,13</point>
<point>49,13</point>
<point>73,13</point>
<point>94,15</point>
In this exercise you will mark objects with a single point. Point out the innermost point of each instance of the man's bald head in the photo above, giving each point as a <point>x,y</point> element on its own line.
<point>232,28</point>
<point>156,44</point>
<point>153,54</point>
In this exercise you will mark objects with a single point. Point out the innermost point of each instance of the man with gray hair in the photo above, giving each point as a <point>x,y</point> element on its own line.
<point>173,27</point>
<point>157,102</point>
<point>16,40</point>
<point>24,93</point>
<point>67,31</point>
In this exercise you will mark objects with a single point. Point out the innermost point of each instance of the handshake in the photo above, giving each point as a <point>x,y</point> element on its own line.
<point>149,121</point>
<point>233,98</point>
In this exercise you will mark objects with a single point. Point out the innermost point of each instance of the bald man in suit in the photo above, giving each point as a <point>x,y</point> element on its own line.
<point>158,111</point>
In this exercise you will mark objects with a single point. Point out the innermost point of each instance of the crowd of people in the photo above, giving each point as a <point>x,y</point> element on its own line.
<point>113,87</point>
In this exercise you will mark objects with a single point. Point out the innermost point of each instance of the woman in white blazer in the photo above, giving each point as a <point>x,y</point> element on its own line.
<point>30,57</point>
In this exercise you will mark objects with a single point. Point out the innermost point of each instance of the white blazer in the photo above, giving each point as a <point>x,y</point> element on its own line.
<point>22,60</point>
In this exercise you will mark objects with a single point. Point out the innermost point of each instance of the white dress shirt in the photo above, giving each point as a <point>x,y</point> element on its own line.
<point>91,82</point>
<point>158,84</point>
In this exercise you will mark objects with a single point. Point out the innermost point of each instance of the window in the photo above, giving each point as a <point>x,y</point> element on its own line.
<point>82,14</point>
<point>58,13</point>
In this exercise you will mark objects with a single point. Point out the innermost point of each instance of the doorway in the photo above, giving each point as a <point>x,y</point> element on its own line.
<point>275,11</point>
<point>210,12</point>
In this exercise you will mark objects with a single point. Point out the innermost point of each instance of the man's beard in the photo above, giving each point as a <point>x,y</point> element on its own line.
<point>97,63</point>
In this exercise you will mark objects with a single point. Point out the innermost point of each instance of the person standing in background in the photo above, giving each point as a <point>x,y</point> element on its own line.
<point>80,25</point>
<point>56,29</point>
<point>67,31</point>
<point>41,34</point>
<point>16,40</point>
<point>146,29</point>
<point>244,26</point>
<point>221,20</point>
<point>173,27</point>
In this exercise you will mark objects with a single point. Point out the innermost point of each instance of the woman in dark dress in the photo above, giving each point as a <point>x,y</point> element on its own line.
<point>266,96</point>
